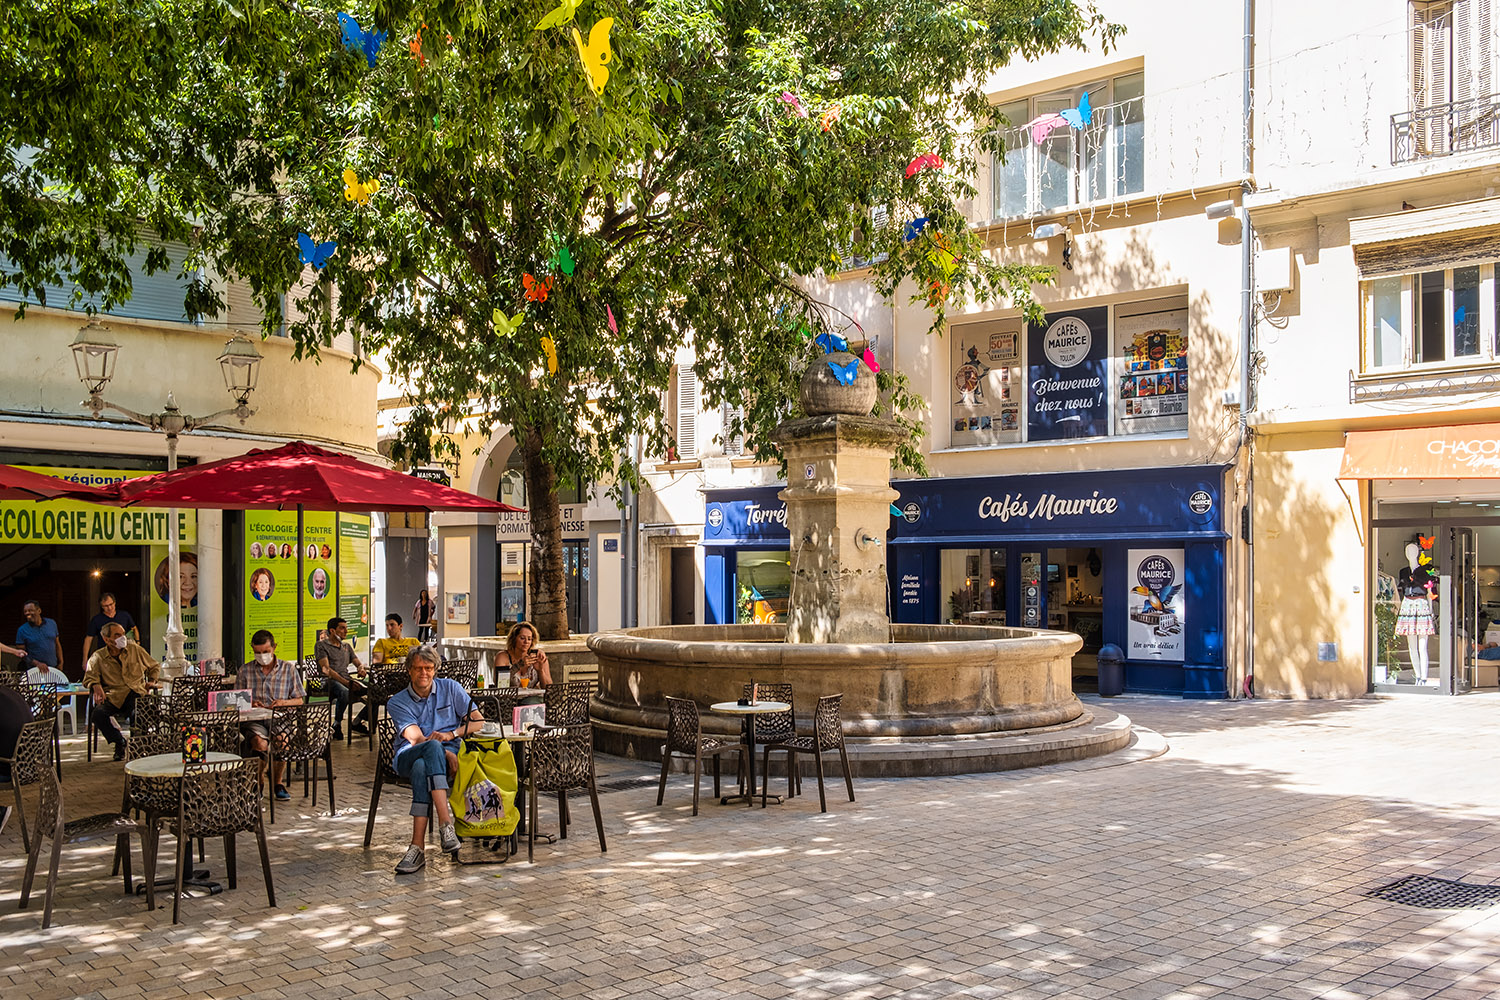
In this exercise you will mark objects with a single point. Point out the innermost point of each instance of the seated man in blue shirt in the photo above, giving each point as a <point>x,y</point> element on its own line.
<point>430,716</point>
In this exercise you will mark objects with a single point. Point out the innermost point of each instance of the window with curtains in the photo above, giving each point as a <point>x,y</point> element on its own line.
<point>1430,318</point>
<point>1453,104</point>
<point>1055,159</point>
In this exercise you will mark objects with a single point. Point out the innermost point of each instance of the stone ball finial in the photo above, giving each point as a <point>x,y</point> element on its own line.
<point>822,393</point>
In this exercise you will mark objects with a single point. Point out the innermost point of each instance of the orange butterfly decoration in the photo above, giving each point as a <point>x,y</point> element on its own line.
<point>415,45</point>
<point>536,291</point>
<point>829,117</point>
<point>1426,540</point>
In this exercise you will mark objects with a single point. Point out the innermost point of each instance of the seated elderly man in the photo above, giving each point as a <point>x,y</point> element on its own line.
<point>116,674</point>
<point>430,716</point>
<point>273,683</point>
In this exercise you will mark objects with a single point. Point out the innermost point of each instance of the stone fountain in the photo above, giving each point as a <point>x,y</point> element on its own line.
<point>918,699</point>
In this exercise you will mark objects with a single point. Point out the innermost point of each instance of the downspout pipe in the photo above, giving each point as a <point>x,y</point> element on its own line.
<point>1247,338</point>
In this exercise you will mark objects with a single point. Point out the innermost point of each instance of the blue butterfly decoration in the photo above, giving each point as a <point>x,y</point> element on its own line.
<point>1080,116</point>
<point>914,228</point>
<point>845,373</point>
<point>831,342</point>
<point>313,252</point>
<point>360,39</point>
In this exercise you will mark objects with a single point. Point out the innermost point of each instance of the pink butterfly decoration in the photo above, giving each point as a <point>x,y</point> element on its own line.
<point>1042,125</point>
<point>612,328</point>
<point>787,97</point>
<point>870,362</point>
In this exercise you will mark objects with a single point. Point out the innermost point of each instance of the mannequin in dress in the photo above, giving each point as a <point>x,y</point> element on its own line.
<point>1415,617</point>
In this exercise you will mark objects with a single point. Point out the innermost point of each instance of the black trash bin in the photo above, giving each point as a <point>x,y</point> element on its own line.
<point>1111,670</point>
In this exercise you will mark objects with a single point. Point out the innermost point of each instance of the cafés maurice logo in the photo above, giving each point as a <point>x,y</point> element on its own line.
<point>1046,507</point>
<point>1066,395</point>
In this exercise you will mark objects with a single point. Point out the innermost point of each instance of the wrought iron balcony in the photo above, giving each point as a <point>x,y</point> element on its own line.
<point>1446,129</point>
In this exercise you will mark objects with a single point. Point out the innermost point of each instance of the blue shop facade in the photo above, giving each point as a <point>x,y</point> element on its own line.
<point>1131,557</point>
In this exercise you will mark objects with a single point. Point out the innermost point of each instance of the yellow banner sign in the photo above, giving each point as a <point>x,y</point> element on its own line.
<point>72,522</point>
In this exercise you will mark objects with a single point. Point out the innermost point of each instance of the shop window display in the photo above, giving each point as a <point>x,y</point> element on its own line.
<point>1406,606</point>
<point>763,586</point>
<point>972,582</point>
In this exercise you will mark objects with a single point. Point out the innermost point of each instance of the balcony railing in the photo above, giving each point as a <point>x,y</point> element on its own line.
<point>1446,129</point>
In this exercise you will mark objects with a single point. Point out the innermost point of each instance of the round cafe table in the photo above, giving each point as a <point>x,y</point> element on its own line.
<point>156,788</point>
<point>747,715</point>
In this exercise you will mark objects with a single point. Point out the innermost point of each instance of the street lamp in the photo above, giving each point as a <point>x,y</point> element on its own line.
<point>94,352</point>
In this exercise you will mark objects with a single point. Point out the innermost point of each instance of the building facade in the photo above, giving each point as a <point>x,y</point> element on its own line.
<point>165,357</point>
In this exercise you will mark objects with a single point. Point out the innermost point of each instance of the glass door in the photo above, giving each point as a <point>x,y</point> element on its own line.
<point>1459,628</point>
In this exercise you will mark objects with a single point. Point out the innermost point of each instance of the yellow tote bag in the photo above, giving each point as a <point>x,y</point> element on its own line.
<point>484,793</point>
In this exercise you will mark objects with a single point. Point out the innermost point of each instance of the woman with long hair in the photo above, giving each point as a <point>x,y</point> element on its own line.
<point>528,664</point>
<point>425,610</point>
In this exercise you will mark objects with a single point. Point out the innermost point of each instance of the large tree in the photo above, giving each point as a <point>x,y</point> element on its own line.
<point>733,148</point>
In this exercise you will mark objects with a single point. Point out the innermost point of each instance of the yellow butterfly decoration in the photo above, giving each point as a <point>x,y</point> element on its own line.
<point>507,325</point>
<point>551,350</point>
<point>355,191</point>
<point>596,54</point>
<point>559,17</point>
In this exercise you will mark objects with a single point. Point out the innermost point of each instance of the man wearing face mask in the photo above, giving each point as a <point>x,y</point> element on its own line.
<point>116,673</point>
<point>273,683</point>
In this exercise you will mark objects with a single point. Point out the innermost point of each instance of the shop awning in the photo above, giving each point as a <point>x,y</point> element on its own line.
<point>1467,451</point>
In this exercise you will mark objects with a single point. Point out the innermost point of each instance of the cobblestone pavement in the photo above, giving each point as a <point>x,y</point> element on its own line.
<point>1233,865</point>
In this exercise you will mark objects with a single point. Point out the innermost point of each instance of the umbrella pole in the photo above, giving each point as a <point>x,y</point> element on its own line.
<point>300,628</point>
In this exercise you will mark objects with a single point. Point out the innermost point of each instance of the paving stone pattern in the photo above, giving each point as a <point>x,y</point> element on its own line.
<point>1232,865</point>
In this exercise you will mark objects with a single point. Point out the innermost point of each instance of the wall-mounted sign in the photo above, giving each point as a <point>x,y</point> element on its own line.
<point>515,526</point>
<point>1066,392</point>
<point>457,605</point>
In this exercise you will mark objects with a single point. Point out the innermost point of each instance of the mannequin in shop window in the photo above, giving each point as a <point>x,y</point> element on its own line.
<point>1418,589</point>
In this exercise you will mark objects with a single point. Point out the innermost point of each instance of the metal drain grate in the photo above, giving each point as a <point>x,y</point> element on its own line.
<point>1438,893</point>
<point>625,784</point>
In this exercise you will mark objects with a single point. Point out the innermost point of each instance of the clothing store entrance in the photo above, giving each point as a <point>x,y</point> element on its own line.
<point>1435,608</point>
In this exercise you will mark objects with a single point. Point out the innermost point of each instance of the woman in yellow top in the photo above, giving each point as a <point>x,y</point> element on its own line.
<point>524,660</point>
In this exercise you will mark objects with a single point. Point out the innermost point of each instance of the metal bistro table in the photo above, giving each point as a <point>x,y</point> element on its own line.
<point>747,715</point>
<point>159,784</point>
<point>494,732</point>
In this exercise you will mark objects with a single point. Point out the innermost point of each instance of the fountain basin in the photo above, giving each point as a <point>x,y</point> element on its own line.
<point>934,688</point>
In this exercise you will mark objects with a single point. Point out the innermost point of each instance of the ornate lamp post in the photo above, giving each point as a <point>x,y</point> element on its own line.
<point>94,352</point>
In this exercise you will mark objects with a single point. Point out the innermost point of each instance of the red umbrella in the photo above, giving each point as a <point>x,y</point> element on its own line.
<point>18,484</point>
<point>296,475</point>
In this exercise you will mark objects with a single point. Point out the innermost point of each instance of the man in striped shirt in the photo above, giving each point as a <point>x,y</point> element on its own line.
<point>273,683</point>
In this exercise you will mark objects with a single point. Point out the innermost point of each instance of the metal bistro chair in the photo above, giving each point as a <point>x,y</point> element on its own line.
<point>218,799</point>
<point>685,738</point>
<point>199,686</point>
<point>221,730</point>
<point>150,797</point>
<point>314,684</point>
<point>32,756</point>
<point>496,704</point>
<point>303,734</point>
<point>560,758</point>
<point>42,699</point>
<point>772,728</point>
<point>50,824</point>
<point>827,734</point>
<point>568,703</point>
<point>385,772</point>
<point>466,672</point>
<point>384,681</point>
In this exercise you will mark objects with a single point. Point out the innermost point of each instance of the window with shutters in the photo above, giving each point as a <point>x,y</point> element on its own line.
<point>1055,159</point>
<point>156,296</point>
<point>682,415</point>
<point>1454,107</point>
<point>1440,317</point>
<point>734,443</point>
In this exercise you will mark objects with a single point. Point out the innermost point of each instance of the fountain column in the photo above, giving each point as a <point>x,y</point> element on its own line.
<point>838,497</point>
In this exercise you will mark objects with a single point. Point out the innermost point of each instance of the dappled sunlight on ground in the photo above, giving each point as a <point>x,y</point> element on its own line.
<point>1233,865</point>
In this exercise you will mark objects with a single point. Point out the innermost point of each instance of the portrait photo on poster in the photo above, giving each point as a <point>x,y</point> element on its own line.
<point>262,584</point>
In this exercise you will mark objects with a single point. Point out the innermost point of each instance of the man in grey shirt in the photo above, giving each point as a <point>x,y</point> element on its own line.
<point>342,667</point>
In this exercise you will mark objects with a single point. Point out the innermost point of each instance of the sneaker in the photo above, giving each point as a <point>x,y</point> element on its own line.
<point>359,729</point>
<point>448,837</point>
<point>282,794</point>
<point>413,860</point>
<point>120,751</point>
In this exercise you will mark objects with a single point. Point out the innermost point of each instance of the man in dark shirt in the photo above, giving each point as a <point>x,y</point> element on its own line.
<point>108,613</point>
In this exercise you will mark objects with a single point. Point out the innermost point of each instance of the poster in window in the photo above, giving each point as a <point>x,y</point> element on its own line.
<point>1153,380</point>
<point>1156,610</point>
<point>1067,361</point>
<point>985,357</point>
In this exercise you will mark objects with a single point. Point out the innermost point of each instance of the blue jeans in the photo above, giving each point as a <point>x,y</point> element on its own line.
<point>426,765</point>
<point>340,694</point>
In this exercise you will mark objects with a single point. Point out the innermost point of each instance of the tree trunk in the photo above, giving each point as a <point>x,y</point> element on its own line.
<point>549,595</point>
